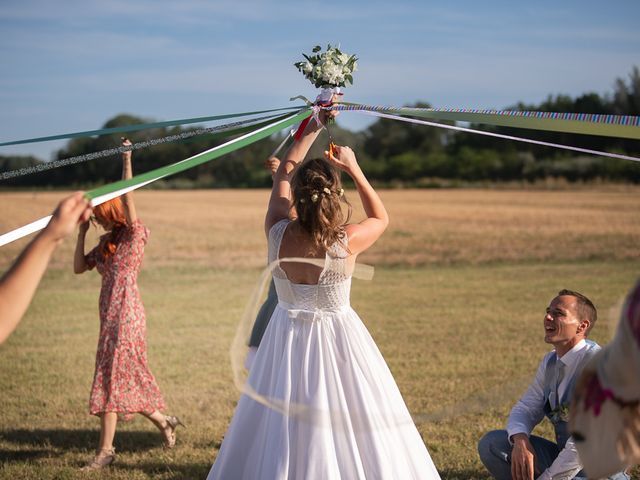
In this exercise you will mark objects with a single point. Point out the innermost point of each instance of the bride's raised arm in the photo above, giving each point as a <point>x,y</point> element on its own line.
<point>364,234</point>
<point>280,200</point>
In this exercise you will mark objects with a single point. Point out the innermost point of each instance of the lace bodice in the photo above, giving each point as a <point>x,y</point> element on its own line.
<point>334,284</point>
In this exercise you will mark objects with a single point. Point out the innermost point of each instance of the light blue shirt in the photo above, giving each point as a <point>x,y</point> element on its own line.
<point>529,411</point>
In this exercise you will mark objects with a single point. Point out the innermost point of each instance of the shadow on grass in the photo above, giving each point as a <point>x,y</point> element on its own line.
<point>22,455</point>
<point>183,471</point>
<point>464,474</point>
<point>132,441</point>
<point>35,444</point>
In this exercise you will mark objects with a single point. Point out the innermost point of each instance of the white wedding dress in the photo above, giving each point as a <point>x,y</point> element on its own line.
<point>334,410</point>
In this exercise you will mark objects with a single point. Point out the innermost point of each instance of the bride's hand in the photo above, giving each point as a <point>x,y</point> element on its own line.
<point>326,115</point>
<point>342,158</point>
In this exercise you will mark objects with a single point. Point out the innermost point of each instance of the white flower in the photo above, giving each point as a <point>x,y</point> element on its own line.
<point>331,73</point>
<point>331,68</point>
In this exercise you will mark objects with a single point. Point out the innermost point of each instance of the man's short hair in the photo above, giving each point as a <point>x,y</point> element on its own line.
<point>586,308</point>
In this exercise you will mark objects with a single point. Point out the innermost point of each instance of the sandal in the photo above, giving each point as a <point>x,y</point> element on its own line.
<point>103,458</point>
<point>169,431</point>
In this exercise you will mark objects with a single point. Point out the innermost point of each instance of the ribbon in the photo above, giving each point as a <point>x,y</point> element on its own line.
<point>107,192</point>
<point>204,156</point>
<point>216,132</point>
<point>142,126</point>
<point>303,125</point>
<point>499,135</point>
<point>323,100</point>
<point>283,143</point>
<point>620,126</point>
<point>314,315</point>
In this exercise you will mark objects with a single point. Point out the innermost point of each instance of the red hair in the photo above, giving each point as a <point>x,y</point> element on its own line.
<point>111,212</point>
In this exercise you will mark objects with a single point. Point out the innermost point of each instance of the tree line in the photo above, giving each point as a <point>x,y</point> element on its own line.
<point>391,152</point>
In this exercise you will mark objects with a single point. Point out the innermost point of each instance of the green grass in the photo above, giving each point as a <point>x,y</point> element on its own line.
<point>462,342</point>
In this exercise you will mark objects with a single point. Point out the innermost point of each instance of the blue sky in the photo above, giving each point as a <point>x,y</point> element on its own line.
<point>72,65</point>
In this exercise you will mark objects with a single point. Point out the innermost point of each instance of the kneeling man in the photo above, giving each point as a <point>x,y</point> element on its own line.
<point>515,453</point>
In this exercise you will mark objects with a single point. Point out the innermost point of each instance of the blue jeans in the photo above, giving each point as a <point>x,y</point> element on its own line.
<point>495,452</point>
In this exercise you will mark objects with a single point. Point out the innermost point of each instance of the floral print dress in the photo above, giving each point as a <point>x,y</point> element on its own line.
<point>122,380</point>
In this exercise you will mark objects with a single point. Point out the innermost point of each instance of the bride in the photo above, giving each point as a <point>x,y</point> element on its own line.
<point>321,402</point>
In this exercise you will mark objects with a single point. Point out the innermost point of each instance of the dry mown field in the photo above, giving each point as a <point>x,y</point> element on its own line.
<point>223,228</point>
<point>462,278</point>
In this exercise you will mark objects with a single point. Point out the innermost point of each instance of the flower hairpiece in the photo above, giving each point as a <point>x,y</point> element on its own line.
<point>315,196</point>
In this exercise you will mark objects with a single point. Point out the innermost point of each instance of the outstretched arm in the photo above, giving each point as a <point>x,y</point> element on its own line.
<point>127,173</point>
<point>361,235</point>
<point>19,284</point>
<point>280,201</point>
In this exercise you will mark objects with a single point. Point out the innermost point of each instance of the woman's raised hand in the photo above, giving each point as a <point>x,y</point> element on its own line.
<point>272,164</point>
<point>327,115</point>
<point>126,143</point>
<point>83,227</point>
<point>342,158</point>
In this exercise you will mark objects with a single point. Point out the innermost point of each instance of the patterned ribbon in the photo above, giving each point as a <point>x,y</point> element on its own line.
<point>201,158</point>
<point>218,131</point>
<point>499,135</point>
<point>107,192</point>
<point>323,100</point>
<point>143,126</point>
<point>620,126</point>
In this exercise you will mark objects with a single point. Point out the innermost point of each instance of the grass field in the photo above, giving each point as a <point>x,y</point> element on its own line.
<point>456,304</point>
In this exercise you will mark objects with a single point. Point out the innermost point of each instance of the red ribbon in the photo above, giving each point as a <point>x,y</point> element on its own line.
<point>306,121</point>
<point>301,128</point>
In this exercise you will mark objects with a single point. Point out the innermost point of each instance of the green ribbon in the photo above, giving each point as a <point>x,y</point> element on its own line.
<point>585,127</point>
<point>199,159</point>
<point>142,126</point>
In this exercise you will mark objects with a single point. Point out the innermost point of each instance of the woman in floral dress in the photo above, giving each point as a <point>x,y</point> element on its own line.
<point>122,382</point>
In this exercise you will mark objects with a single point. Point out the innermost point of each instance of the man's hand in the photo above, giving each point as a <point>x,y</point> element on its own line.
<point>523,458</point>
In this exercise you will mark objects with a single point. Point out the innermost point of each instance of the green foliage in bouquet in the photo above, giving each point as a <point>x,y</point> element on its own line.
<point>332,68</point>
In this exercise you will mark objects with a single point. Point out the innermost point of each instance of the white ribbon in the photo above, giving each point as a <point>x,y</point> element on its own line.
<point>317,314</point>
<point>498,135</point>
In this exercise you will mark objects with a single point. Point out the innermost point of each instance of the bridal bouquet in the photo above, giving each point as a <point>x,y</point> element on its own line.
<point>329,69</point>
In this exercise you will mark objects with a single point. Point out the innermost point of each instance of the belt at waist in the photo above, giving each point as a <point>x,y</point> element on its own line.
<point>316,314</point>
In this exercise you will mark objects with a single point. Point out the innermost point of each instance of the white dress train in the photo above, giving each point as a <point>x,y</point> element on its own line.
<point>344,415</point>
